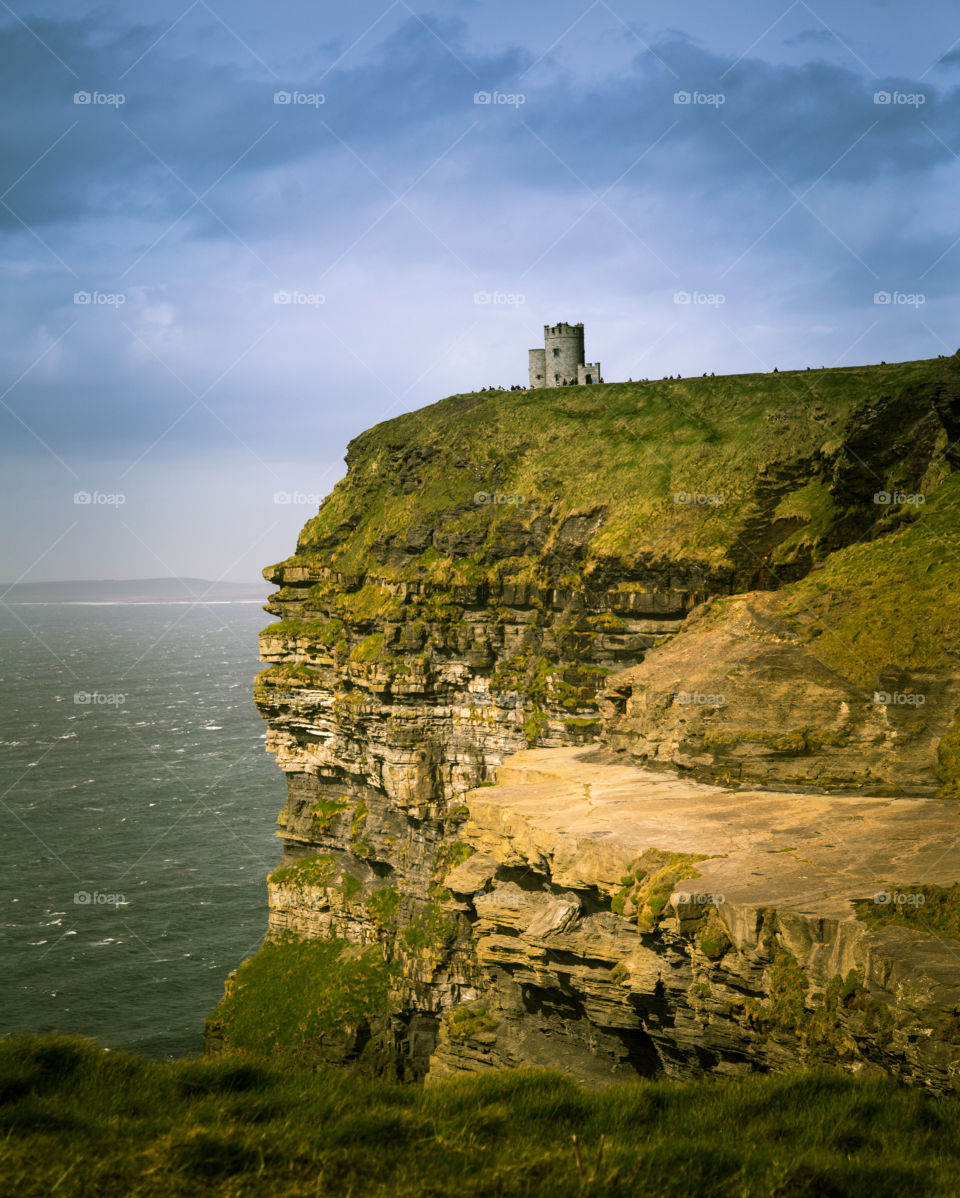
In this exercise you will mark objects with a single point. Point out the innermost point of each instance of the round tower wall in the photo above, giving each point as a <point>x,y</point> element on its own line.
<point>563,353</point>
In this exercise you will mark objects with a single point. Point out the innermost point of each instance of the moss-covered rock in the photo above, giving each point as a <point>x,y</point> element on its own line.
<point>319,870</point>
<point>712,937</point>
<point>466,1023</point>
<point>647,888</point>
<point>917,905</point>
<point>294,995</point>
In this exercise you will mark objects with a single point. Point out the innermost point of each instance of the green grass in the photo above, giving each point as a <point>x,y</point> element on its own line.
<point>382,905</point>
<point>309,871</point>
<point>467,1022</point>
<point>369,649</point>
<point>322,632</point>
<point>889,603</point>
<point>628,447</point>
<point>369,603</point>
<point>429,930</point>
<point>797,458</point>
<point>450,854</point>
<point>324,812</point>
<point>652,879</point>
<point>81,1121</point>
<point>360,846</point>
<point>351,886</point>
<point>815,1024</point>
<point>933,909</point>
<point>288,674</point>
<point>712,936</point>
<point>289,996</point>
<point>948,761</point>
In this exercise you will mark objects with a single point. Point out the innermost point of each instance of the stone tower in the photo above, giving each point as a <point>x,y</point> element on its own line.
<point>560,362</point>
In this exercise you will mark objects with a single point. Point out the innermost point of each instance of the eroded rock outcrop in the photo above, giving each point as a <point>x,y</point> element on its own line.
<point>741,697</point>
<point>733,945</point>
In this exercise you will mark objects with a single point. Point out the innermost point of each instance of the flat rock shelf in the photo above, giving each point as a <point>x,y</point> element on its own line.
<point>693,928</point>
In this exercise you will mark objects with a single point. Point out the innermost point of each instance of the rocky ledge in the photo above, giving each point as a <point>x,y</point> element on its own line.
<point>628,922</point>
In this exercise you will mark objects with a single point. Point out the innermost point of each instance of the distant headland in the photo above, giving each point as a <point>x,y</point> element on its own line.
<point>133,590</point>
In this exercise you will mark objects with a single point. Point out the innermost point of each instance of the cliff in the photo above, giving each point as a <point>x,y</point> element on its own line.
<point>706,586</point>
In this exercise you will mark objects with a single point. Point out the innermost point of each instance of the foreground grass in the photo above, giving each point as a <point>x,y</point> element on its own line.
<point>78,1120</point>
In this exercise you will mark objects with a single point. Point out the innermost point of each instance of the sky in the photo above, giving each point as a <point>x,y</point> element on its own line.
<point>235,235</point>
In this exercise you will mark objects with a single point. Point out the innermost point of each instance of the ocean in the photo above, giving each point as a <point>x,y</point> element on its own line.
<point>138,811</point>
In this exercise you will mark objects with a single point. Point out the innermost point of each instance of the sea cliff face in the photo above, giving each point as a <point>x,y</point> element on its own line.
<point>673,581</point>
<point>379,747</point>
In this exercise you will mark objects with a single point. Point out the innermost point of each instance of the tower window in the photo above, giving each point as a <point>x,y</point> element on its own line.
<point>556,353</point>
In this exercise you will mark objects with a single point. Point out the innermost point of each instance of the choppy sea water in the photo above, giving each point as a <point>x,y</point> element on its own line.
<point>137,810</point>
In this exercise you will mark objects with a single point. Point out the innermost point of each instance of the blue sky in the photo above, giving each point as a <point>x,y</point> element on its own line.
<point>778,165</point>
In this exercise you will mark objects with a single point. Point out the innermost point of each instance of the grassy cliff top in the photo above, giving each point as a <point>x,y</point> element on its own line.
<point>733,474</point>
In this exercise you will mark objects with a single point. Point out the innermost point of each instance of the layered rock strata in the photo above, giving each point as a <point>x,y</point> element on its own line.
<point>629,922</point>
<point>743,699</point>
<point>376,752</point>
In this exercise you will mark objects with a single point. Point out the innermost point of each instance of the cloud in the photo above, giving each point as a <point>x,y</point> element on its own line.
<point>583,194</point>
<point>152,140</point>
<point>812,37</point>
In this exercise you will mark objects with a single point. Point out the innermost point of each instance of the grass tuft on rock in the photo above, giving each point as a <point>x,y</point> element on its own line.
<point>916,905</point>
<point>293,993</point>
